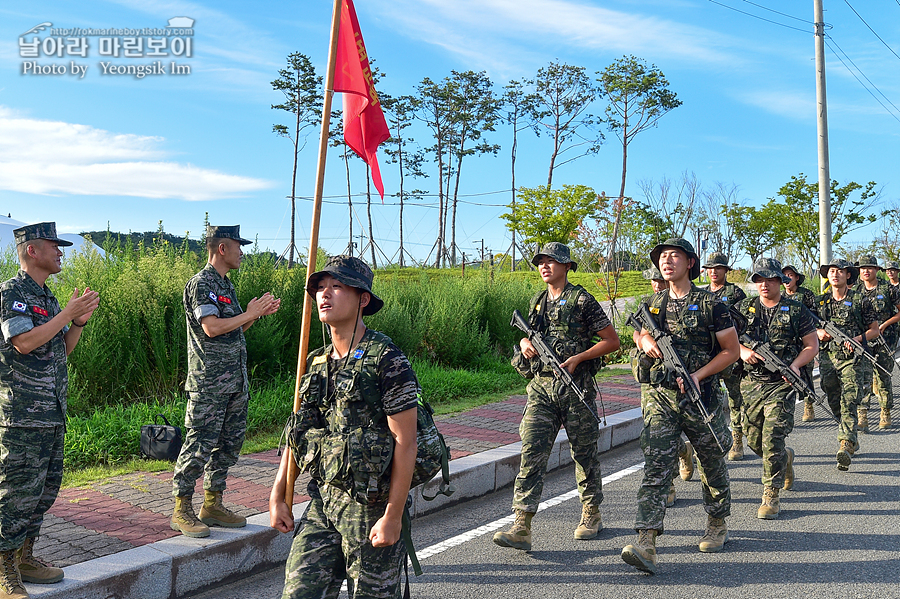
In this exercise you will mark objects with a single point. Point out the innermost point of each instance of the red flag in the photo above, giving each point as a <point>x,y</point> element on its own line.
<point>364,124</point>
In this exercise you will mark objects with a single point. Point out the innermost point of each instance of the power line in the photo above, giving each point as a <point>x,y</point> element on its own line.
<point>870,28</point>
<point>830,41</point>
<point>759,17</point>
<point>781,13</point>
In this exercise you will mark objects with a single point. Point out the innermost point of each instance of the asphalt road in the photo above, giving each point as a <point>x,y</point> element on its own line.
<point>838,535</point>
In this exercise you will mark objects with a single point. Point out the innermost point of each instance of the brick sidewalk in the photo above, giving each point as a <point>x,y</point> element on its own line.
<point>132,510</point>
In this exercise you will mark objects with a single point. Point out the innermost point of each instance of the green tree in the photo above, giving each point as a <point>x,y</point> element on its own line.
<point>541,214</point>
<point>801,217</point>
<point>638,95</point>
<point>564,96</point>
<point>303,99</point>
<point>757,230</point>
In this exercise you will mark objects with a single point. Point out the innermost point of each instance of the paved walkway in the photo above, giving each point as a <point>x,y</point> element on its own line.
<point>133,510</point>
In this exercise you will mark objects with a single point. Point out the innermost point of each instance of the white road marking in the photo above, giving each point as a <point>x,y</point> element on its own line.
<point>459,539</point>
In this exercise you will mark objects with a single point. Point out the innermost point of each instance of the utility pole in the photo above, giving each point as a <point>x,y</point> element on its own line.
<point>822,130</point>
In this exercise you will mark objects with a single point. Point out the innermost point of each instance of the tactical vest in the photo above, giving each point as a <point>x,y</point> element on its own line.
<point>353,448</point>
<point>846,314</point>
<point>782,334</point>
<point>692,332</point>
<point>727,294</point>
<point>566,335</point>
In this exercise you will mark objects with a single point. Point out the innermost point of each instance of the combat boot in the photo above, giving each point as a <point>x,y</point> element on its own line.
<point>686,461</point>
<point>643,555</point>
<point>716,535</point>
<point>11,586</point>
<point>34,569</point>
<point>214,512</point>
<point>809,413</point>
<point>789,469</point>
<point>185,521</point>
<point>769,508</point>
<point>591,523</point>
<point>885,421</point>
<point>863,419</point>
<point>670,498</point>
<point>519,536</point>
<point>737,449</point>
<point>844,454</point>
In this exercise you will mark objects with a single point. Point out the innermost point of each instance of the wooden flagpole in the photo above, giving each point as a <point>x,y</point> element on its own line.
<point>314,232</point>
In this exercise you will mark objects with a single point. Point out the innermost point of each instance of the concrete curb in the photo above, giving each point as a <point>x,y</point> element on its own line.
<point>175,567</point>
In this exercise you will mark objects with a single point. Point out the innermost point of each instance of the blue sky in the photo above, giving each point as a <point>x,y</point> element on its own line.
<point>131,152</point>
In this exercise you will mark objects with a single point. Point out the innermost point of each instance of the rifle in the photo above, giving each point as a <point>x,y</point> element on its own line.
<point>549,358</point>
<point>675,365</point>
<point>880,341</point>
<point>838,335</point>
<point>774,364</point>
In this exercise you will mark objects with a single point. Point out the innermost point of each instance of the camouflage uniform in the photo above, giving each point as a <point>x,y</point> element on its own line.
<point>217,387</point>
<point>884,299</point>
<point>693,322</point>
<point>731,294</point>
<point>841,376</point>
<point>349,458</point>
<point>769,400</point>
<point>33,390</point>
<point>568,324</point>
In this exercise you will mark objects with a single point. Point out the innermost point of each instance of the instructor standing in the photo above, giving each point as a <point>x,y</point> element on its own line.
<point>217,385</point>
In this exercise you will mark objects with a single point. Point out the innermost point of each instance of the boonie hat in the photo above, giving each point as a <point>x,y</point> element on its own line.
<point>891,265</point>
<point>794,270</point>
<point>716,259</point>
<point>768,268</point>
<point>868,261</point>
<point>653,274</point>
<point>349,271</point>
<point>558,251</point>
<point>39,231</point>
<point>843,265</point>
<point>232,232</point>
<point>682,244</point>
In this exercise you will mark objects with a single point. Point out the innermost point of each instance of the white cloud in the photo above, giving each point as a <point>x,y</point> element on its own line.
<point>54,157</point>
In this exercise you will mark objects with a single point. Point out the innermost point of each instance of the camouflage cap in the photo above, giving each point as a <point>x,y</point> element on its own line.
<point>681,244</point>
<point>222,232</point>
<point>39,231</point>
<point>870,261</point>
<point>793,269</point>
<point>716,259</point>
<point>653,274</point>
<point>891,265</point>
<point>349,271</point>
<point>843,265</point>
<point>768,268</point>
<point>558,251</point>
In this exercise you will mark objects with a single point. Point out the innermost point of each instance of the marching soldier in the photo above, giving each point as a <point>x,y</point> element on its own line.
<point>885,300</point>
<point>707,343</point>
<point>217,384</point>
<point>569,318</point>
<point>717,269</point>
<point>37,336</point>
<point>787,326</point>
<point>794,290</point>
<point>892,270</point>
<point>841,374</point>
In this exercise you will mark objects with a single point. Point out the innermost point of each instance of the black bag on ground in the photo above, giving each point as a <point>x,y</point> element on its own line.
<point>160,441</point>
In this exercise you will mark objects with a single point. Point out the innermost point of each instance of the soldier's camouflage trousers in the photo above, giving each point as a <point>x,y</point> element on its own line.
<point>551,405</point>
<point>768,420</point>
<point>664,421</point>
<point>333,545</point>
<point>216,425</point>
<point>841,379</point>
<point>732,381</point>
<point>31,468</point>
<point>875,382</point>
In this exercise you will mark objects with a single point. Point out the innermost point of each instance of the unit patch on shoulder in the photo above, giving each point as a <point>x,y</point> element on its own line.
<point>224,299</point>
<point>19,307</point>
<point>212,296</point>
<point>39,310</point>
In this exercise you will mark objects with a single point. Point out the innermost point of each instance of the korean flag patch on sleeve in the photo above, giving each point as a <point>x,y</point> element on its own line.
<point>20,307</point>
<point>213,296</point>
